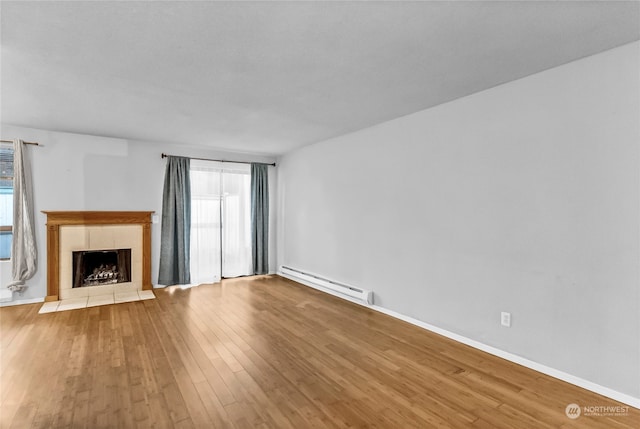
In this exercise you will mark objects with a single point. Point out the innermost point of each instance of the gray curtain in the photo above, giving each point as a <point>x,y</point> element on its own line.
<point>176,223</point>
<point>24,257</point>
<point>260,218</point>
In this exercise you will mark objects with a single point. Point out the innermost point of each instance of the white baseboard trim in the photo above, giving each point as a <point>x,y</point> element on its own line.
<point>21,301</point>
<point>571,379</point>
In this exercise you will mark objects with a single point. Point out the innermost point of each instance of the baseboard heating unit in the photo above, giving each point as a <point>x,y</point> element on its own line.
<point>322,283</point>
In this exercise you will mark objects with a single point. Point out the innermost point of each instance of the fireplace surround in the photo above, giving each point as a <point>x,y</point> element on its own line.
<point>73,231</point>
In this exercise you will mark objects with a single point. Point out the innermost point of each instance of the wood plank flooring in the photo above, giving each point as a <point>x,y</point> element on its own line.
<point>263,352</point>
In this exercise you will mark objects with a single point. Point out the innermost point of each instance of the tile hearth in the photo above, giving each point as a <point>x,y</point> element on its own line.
<point>93,301</point>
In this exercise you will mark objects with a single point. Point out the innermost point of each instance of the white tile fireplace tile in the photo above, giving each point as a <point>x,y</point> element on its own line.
<point>73,293</point>
<point>126,287</point>
<point>146,294</point>
<point>101,237</point>
<point>127,235</point>
<point>94,301</point>
<point>100,300</point>
<point>126,297</point>
<point>74,236</point>
<point>72,304</point>
<point>100,290</point>
<point>49,307</point>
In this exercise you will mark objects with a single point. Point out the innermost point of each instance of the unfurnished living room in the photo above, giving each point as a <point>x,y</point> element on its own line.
<point>320,214</point>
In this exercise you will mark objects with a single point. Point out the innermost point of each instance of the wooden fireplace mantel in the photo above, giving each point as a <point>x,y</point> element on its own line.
<point>56,219</point>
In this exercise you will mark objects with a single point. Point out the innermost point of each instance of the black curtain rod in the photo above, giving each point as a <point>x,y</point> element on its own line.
<point>164,155</point>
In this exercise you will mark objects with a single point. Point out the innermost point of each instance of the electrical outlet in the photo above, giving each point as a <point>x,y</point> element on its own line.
<point>505,319</point>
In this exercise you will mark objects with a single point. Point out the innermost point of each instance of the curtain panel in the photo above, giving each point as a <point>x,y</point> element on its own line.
<point>24,257</point>
<point>260,218</point>
<point>176,223</point>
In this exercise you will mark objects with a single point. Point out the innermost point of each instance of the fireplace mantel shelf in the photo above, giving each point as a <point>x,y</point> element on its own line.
<point>97,217</point>
<point>56,219</point>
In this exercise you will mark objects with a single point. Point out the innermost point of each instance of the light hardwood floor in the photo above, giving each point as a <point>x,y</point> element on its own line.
<point>263,352</point>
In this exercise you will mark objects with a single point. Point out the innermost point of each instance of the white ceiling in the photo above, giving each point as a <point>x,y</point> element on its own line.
<point>268,77</point>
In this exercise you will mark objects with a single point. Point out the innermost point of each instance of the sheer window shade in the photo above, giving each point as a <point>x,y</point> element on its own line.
<point>220,221</point>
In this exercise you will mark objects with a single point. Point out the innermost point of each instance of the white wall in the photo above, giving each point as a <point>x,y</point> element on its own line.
<point>82,172</point>
<point>522,198</point>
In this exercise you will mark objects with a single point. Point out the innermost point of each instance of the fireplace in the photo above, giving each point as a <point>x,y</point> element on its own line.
<point>110,235</point>
<point>101,267</point>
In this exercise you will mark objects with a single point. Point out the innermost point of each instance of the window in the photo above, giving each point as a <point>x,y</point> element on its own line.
<point>6,200</point>
<point>220,221</point>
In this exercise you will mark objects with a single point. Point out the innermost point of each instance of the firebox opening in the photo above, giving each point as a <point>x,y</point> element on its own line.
<point>101,267</point>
